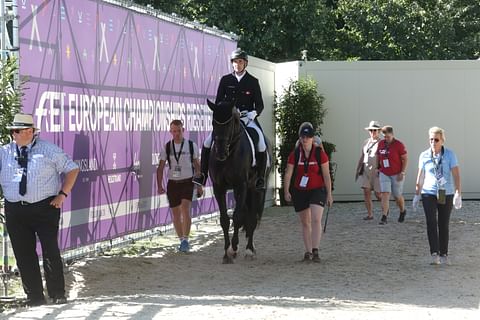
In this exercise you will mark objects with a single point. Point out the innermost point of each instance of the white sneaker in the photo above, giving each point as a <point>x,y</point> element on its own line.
<point>444,260</point>
<point>435,259</point>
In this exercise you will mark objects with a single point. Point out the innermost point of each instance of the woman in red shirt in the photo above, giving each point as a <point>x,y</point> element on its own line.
<point>310,189</point>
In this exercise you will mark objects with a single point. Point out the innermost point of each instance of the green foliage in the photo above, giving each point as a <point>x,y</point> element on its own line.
<point>300,102</point>
<point>408,29</point>
<point>278,30</point>
<point>10,99</point>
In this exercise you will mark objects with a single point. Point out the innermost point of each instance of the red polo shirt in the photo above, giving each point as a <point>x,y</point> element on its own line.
<point>393,152</point>
<point>315,180</point>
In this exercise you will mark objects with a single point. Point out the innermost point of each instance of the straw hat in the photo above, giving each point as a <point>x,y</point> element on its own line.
<point>22,121</point>
<point>373,125</point>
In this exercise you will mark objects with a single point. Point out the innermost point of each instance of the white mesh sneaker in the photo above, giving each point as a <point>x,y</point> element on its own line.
<point>435,259</point>
<point>444,260</point>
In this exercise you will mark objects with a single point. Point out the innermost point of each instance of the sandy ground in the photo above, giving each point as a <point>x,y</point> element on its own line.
<point>367,272</point>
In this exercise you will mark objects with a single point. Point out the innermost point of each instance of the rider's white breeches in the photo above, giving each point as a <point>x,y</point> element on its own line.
<point>261,139</point>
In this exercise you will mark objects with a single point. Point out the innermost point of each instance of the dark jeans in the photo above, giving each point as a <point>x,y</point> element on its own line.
<point>24,224</point>
<point>437,228</point>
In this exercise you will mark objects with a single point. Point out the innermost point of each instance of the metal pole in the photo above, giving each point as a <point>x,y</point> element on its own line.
<point>15,44</point>
<point>5,270</point>
<point>3,28</point>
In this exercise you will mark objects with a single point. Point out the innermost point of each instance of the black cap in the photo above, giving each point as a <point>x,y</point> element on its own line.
<point>307,131</point>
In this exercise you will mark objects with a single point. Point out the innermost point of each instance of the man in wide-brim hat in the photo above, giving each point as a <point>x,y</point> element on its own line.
<point>22,121</point>
<point>31,171</point>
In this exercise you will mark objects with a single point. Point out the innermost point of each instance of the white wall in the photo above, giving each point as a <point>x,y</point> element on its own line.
<point>412,96</point>
<point>265,72</point>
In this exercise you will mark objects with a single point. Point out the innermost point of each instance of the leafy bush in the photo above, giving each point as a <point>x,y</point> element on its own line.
<point>299,102</point>
<point>10,97</point>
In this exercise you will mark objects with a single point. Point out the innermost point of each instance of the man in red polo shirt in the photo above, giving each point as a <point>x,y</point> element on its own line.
<point>392,163</point>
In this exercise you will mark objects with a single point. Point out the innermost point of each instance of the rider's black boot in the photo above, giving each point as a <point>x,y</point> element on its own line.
<point>202,179</point>
<point>261,168</point>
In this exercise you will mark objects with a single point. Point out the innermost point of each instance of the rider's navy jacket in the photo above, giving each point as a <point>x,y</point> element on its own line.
<point>246,93</point>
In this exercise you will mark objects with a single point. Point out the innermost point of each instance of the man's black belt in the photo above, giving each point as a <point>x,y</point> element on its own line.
<point>25,203</point>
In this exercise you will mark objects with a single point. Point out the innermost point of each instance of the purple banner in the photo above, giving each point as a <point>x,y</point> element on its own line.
<point>104,82</point>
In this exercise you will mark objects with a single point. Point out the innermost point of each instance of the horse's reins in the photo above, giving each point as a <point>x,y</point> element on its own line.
<point>232,138</point>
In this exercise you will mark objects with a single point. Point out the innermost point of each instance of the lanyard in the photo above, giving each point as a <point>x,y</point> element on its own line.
<point>371,147</point>
<point>387,148</point>
<point>177,156</point>
<point>306,161</point>
<point>437,166</point>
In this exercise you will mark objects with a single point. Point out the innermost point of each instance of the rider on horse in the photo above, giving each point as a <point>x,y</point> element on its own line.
<point>243,89</point>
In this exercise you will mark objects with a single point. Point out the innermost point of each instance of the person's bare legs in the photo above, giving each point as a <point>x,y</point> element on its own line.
<point>177,220</point>
<point>400,200</point>
<point>385,203</point>
<point>316,212</point>
<point>306,220</point>
<point>367,195</point>
<point>385,206</point>
<point>186,223</point>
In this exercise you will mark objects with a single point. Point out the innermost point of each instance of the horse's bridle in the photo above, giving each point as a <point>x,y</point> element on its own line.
<point>232,138</point>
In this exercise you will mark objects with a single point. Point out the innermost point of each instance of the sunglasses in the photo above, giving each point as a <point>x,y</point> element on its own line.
<point>434,139</point>
<point>372,130</point>
<point>17,131</point>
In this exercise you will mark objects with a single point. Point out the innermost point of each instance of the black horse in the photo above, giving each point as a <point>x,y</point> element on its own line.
<point>230,167</point>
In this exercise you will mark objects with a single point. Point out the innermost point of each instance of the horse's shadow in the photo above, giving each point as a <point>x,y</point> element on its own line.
<point>230,167</point>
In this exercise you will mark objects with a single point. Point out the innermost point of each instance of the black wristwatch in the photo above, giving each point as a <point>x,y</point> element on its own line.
<point>61,192</point>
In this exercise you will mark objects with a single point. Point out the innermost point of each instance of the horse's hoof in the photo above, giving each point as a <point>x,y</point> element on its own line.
<point>227,260</point>
<point>231,253</point>
<point>250,255</point>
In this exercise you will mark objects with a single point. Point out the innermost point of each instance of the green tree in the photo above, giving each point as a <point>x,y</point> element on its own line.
<point>407,29</point>
<point>10,97</point>
<point>276,30</point>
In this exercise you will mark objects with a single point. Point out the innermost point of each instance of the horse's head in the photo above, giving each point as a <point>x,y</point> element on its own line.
<point>225,122</point>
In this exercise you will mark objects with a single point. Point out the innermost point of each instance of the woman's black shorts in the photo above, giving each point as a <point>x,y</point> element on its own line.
<point>302,199</point>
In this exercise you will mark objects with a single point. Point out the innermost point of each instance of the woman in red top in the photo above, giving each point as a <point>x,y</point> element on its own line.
<point>310,191</point>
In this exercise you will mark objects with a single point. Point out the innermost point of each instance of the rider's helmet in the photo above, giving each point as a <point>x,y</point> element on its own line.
<point>238,54</point>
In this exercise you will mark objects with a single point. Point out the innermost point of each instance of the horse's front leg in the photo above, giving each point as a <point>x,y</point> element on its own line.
<point>224,222</point>
<point>238,213</point>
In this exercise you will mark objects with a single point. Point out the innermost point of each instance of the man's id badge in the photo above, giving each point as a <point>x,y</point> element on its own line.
<point>386,163</point>
<point>442,181</point>
<point>177,172</point>
<point>304,182</point>
<point>17,176</point>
